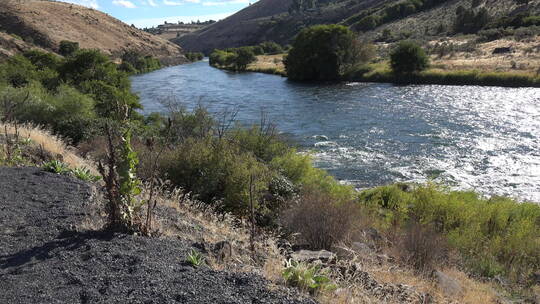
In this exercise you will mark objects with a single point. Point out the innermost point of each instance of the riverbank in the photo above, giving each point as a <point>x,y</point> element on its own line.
<point>381,73</point>
<point>438,74</point>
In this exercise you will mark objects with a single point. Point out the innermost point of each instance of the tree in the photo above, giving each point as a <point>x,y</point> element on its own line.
<point>244,56</point>
<point>408,57</point>
<point>323,52</point>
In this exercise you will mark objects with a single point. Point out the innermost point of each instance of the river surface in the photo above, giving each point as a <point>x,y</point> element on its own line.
<point>468,137</point>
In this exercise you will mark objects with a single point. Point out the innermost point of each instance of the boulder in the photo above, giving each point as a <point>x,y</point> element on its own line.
<point>502,50</point>
<point>362,249</point>
<point>449,286</point>
<point>312,256</point>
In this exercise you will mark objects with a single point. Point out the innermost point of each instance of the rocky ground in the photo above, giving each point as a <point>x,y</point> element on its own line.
<point>46,257</point>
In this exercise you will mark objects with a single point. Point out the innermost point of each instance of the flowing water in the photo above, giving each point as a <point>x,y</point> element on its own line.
<point>469,137</point>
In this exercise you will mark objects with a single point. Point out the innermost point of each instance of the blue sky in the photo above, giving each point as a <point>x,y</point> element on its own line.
<point>147,13</point>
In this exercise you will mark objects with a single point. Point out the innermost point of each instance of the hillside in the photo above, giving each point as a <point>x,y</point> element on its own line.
<point>274,20</point>
<point>44,24</point>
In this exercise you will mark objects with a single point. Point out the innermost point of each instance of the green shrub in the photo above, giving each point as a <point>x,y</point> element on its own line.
<point>18,71</point>
<point>270,48</point>
<point>84,174</point>
<point>195,258</point>
<point>306,277</point>
<point>56,166</point>
<point>408,57</point>
<point>496,235</point>
<point>220,58</point>
<point>68,48</point>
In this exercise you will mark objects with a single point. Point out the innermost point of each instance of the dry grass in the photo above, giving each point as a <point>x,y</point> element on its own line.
<point>524,59</point>
<point>272,64</point>
<point>50,143</point>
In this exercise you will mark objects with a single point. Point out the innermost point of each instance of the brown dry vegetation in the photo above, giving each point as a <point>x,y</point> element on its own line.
<point>272,64</point>
<point>49,143</point>
<point>45,24</point>
<point>525,57</point>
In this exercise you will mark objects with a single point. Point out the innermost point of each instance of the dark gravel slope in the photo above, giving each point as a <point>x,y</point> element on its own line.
<point>44,259</point>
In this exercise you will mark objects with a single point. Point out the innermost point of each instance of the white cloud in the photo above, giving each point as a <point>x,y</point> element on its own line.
<point>172,3</point>
<point>141,23</point>
<point>124,3</point>
<point>152,3</point>
<point>224,2</point>
<point>87,3</point>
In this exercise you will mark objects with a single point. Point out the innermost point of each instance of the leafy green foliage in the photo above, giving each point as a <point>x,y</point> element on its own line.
<point>139,62</point>
<point>496,235</point>
<point>217,164</point>
<point>194,56</point>
<point>270,48</point>
<point>306,277</point>
<point>56,166</point>
<point>195,258</point>
<point>323,52</point>
<point>84,174</point>
<point>68,48</point>
<point>235,59</point>
<point>408,57</point>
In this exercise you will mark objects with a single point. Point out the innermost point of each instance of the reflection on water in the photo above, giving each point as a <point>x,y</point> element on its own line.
<point>481,138</point>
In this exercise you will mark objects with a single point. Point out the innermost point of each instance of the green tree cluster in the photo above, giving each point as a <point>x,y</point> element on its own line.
<point>235,59</point>
<point>324,52</point>
<point>134,62</point>
<point>70,94</point>
<point>194,56</point>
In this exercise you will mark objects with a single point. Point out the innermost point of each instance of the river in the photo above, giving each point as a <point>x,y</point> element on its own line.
<point>485,139</point>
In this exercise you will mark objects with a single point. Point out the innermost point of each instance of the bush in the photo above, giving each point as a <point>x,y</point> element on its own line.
<point>306,277</point>
<point>323,52</point>
<point>420,247</point>
<point>408,57</point>
<point>68,48</point>
<point>320,221</point>
<point>270,48</point>
<point>244,56</point>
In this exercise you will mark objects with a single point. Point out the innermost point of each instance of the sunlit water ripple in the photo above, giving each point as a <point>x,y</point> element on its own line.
<point>481,138</point>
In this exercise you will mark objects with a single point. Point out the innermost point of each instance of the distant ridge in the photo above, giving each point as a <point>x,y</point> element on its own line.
<point>270,20</point>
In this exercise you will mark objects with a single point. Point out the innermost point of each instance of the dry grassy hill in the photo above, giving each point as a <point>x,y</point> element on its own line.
<point>45,23</point>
